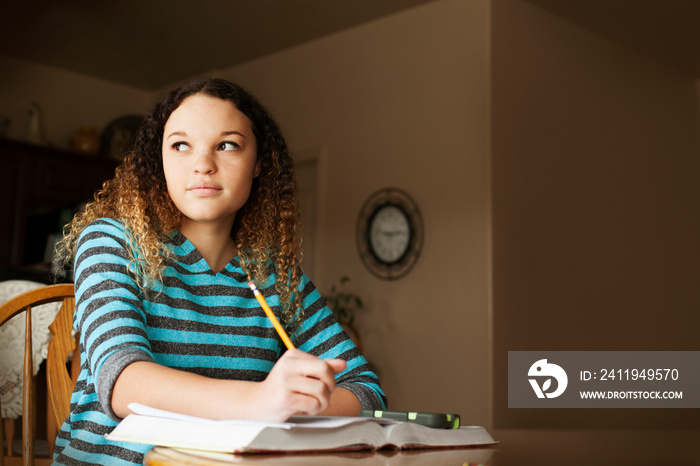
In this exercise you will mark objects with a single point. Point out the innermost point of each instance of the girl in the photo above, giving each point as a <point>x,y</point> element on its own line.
<point>203,203</point>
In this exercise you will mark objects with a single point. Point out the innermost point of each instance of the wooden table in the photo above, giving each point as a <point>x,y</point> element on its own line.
<point>603,447</point>
<point>597,447</point>
<point>162,456</point>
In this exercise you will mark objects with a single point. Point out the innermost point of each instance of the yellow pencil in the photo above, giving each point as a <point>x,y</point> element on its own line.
<point>276,323</point>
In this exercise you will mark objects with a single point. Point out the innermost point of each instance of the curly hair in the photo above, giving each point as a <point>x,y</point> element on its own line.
<point>265,230</point>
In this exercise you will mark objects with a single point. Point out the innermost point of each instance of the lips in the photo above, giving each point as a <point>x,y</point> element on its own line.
<point>204,188</point>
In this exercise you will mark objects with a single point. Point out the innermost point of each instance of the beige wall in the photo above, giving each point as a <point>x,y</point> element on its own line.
<point>596,194</point>
<point>402,102</point>
<point>68,100</point>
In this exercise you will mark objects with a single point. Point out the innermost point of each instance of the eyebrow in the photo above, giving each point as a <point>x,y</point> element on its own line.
<point>223,133</point>
<point>227,133</point>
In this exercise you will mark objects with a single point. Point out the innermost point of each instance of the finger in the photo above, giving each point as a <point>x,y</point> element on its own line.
<point>313,387</point>
<point>309,395</point>
<point>307,405</point>
<point>312,366</point>
<point>300,363</point>
<point>295,353</point>
<point>337,365</point>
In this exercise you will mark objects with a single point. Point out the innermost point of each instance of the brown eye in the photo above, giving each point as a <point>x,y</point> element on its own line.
<point>229,145</point>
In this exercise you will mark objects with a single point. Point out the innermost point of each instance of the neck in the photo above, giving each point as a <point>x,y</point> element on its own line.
<point>213,241</point>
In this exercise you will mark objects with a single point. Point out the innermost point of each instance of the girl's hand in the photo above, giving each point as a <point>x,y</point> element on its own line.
<point>298,384</point>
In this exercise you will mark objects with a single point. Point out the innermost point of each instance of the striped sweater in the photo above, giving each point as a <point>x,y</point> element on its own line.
<point>193,320</point>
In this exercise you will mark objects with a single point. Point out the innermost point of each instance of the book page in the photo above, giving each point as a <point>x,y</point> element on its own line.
<point>316,422</point>
<point>144,410</point>
<point>211,436</point>
<point>408,435</point>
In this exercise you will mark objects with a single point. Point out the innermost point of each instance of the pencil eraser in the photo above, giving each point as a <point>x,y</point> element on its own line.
<point>252,286</point>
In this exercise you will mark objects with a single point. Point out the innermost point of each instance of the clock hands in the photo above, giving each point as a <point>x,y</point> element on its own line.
<point>392,233</point>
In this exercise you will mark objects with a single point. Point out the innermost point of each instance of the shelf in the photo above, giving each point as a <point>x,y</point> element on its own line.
<point>38,187</point>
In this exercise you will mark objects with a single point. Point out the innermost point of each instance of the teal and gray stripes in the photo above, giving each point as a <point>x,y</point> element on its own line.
<point>193,320</point>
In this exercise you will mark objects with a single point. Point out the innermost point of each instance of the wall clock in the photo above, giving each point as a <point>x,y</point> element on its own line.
<point>389,233</point>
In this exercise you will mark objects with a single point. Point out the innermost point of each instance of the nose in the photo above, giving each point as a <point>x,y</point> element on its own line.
<point>204,162</point>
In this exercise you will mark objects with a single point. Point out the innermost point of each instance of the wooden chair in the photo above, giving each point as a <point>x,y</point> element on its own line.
<point>59,382</point>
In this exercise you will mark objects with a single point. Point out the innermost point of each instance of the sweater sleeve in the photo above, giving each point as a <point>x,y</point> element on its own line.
<point>321,335</point>
<point>109,313</point>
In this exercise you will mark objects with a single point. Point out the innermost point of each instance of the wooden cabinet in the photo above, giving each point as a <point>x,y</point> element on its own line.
<point>40,189</point>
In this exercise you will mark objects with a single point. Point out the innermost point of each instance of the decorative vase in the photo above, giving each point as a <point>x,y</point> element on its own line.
<point>35,133</point>
<point>85,140</point>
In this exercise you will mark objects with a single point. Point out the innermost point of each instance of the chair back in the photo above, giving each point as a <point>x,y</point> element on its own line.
<point>59,382</point>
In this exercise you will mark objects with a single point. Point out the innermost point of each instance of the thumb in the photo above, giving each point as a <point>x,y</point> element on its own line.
<point>338,365</point>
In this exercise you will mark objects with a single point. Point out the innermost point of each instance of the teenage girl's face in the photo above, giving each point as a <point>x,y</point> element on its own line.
<point>209,159</point>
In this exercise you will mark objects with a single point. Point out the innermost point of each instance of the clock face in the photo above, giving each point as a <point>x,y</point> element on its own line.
<point>389,233</point>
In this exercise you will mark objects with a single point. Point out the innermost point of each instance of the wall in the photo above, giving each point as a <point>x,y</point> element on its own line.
<point>68,100</point>
<point>596,194</point>
<point>402,102</point>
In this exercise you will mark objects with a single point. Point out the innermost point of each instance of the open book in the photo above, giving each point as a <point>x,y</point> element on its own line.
<point>300,433</point>
<point>386,457</point>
